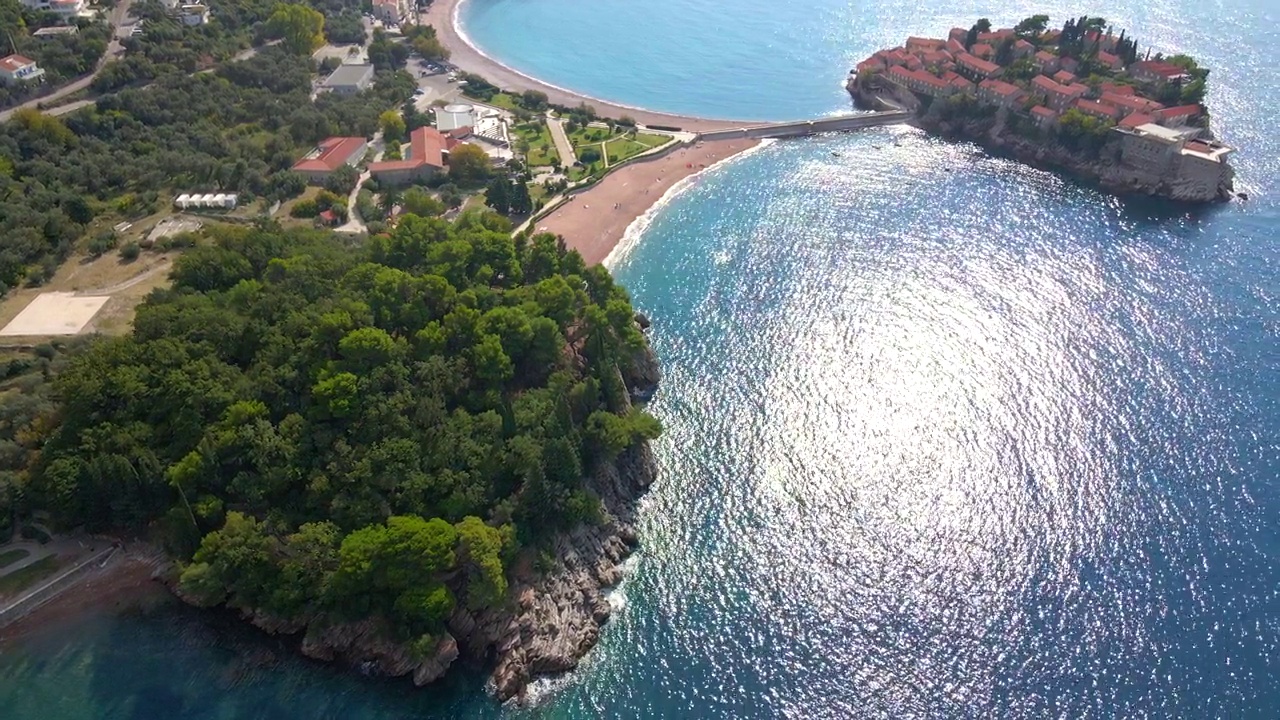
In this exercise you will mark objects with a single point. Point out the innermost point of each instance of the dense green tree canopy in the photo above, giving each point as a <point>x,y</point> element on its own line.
<point>329,431</point>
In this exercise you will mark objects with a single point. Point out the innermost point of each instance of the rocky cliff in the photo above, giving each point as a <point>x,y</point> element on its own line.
<point>553,614</point>
<point>1106,169</point>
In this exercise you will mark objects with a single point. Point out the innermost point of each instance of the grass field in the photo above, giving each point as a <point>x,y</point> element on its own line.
<point>629,146</point>
<point>542,149</point>
<point>504,101</point>
<point>21,579</point>
<point>9,557</point>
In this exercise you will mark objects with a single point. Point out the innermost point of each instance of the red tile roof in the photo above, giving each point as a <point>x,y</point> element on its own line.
<point>1064,77</point>
<point>1108,58</point>
<point>1042,112</point>
<point>1046,83</point>
<point>1000,87</point>
<point>955,46</point>
<point>995,35</point>
<point>982,50</point>
<point>1158,67</point>
<point>426,147</point>
<point>1118,89</point>
<point>1180,111</point>
<point>1133,120</point>
<point>13,63</point>
<point>919,43</point>
<point>331,154</point>
<point>978,64</point>
<point>1046,56</point>
<point>1093,107</point>
<point>1133,103</point>
<point>1022,45</point>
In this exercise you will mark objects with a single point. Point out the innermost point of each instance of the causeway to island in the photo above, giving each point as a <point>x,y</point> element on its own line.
<point>1081,99</point>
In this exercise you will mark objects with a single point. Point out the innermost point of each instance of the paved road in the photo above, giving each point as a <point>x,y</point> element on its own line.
<point>563,147</point>
<point>114,50</point>
<point>354,223</point>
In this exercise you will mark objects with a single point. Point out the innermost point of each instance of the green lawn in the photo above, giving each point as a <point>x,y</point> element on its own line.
<point>588,136</point>
<point>652,140</point>
<point>504,101</point>
<point>9,557</point>
<point>542,149</point>
<point>625,148</point>
<point>21,579</point>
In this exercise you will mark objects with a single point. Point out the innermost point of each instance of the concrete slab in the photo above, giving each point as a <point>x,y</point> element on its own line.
<point>55,313</point>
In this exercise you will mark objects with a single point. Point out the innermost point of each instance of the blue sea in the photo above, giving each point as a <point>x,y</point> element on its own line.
<point>947,436</point>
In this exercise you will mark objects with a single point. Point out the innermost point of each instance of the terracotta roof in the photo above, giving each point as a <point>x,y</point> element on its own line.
<point>1158,67</point>
<point>1000,87</point>
<point>426,147</point>
<point>1131,102</point>
<point>1133,120</point>
<point>1180,111</point>
<point>1064,77</point>
<point>995,35</point>
<point>331,154</point>
<point>1118,89</point>
<point>1108,58</point>
<point>13,63</point>
<point>1093,107</point>
<point>982,50</point>
<point>1022,44</point>
<point>1042,111</point>
<point>1046,83</point>
<point>1046,56</point>
<point>955,46</point>
<point>978,64</point>
<point>925,43</point>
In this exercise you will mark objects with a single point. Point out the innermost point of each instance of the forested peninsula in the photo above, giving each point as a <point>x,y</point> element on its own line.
<point>404,450</point>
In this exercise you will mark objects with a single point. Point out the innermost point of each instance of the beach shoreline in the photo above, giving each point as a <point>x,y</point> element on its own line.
<point>596,219</point>
<point>463,54</point>
<point>127,581</point>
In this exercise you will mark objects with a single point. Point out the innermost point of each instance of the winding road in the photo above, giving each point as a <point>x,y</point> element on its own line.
<point>114,50</point>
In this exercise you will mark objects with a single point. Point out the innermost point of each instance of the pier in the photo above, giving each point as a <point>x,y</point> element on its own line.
<point>799,128</point>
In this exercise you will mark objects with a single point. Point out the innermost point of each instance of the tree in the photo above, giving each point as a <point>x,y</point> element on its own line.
<point>419,202</point>
<point>497,195</point>
<point>1032,26</point>
<point>468,164</point>
<point>301,27</point>
<point>521,202</point>
<point>1004,52</point>
<point>392,125</point>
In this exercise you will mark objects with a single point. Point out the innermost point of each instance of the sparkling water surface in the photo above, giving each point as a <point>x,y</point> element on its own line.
<point>947,436</point>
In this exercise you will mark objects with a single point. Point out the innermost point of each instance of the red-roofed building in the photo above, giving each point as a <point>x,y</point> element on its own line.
<point>896,56</point>
<point>1117,88</point>
<point>920,81</point>
<point>330,155</point>
<point>1051,36</point>
<point>1064,77</point>
<point>1069,64</point>
<point>870,65</point>
<point>1102,111</point>
<point>1177,116</point>
<point>1059,96</point>
<point>995,36</point>
<point>328,218</point>
<point>955,46</point>
<point>961,84</point>
<point>425,158</point>
<point>917,44</point>
<point>456,136</point>
<point>17,68</point>
<point>1022,48</point>
<point>1157,71</point>
<point>1046,62</point>
<point>1133,120</point>
<point>983,50</point>
<point>1044,117</point>
<point>1131,103</point>
<point>1112,61</point>
<point>999,92</point>
<point>977,68</point>
<point>958,34</point>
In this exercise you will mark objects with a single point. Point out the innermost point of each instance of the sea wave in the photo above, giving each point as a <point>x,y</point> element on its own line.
<point>631,236</point>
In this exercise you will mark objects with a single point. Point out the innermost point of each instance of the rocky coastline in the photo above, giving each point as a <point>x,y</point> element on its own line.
<point>553,614</point>
<point>1106,170</point>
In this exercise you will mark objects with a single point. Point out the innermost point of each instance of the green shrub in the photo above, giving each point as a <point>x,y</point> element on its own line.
<point>130,251</point>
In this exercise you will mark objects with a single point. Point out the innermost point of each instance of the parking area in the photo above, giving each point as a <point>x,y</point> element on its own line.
<point>55,313</point>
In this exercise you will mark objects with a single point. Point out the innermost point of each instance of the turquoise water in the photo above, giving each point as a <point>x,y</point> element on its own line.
<point>946,436</point>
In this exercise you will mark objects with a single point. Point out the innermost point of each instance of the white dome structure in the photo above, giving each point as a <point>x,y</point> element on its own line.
<point>452,117</point>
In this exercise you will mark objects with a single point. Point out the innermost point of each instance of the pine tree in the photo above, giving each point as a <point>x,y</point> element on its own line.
<point>498,195</point>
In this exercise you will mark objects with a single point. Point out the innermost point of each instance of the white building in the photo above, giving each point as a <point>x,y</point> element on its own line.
<point>1176,157</point>
<point>349,79</point>
<point>66,9</point>
<point>193,15</point>
<point>219,201</point>
<point>452,117</point>
<point>16,68</point>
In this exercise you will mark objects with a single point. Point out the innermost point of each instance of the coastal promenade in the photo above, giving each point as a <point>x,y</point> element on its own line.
<point>798,128</point>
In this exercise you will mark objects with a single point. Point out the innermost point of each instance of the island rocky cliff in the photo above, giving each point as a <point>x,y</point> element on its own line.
<point>1105,168</point>
<point>553,613</point>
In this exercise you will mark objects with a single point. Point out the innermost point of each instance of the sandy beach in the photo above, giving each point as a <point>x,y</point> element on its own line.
<point>596,219</point>
<point>125,582</point>
<point>469,59</point>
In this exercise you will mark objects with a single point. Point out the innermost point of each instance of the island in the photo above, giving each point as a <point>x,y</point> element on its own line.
<point>1082,99</point>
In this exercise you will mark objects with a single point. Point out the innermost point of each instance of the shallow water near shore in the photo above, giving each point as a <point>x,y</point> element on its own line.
<point>946,435</point>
